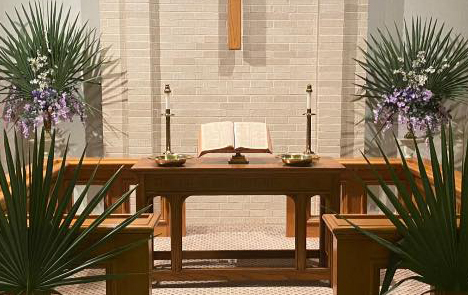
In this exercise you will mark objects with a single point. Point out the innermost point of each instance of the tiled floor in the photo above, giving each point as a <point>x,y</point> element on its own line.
<point>236,237</point>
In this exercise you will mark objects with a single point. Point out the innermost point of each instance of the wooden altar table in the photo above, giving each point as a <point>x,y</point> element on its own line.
<point>263,176</point>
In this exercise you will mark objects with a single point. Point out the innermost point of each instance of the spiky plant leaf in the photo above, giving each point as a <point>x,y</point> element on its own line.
<point>388,52</point>
<point>41,245</point>
<point>434,241</point>
<point>73,51</point>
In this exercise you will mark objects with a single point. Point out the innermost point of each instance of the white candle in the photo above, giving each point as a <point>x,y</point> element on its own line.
<point>167,93</point>
<point>309,96</point>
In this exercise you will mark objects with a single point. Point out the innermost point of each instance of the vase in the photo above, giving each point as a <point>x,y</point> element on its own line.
<point>408,144</point>
<point>47,143</point>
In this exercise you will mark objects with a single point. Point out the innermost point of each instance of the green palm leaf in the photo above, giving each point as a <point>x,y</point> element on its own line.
<point>385,51</point>
<point>73,50</point>
<point>432,244</point>
<point>41,248</point>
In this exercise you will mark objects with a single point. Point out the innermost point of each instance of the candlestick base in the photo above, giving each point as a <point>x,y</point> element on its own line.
<point>238,158</point>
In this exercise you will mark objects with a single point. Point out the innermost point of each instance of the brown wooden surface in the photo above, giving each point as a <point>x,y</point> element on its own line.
<point>107,168</point>
<point>264,175</point>
<point>353,196</point>
<point>137,263</point>
<point>55,170</point>
<point>220,164</point>
<point>300,203</point>
<point>235,24</point>
<point>235,254</point>
<point>175,204</point>
<point>356,259</point>
<point>215,180</point>
<point>244,274</point>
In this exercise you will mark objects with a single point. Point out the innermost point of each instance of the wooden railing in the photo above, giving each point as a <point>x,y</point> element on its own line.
<point>107,168</point>
<point>353,196</point>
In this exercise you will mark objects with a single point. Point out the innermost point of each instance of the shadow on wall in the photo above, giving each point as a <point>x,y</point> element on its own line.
<point>227,58</point>
<point>155,76</point>
<point>349,110</point>
<point>254,32</point>
<point>381,14</point>
<point>113,91</point>
<point>460,126</point>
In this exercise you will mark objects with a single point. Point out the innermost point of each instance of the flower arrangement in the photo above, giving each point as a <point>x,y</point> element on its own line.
<point>410,77</point>
<point>44,64</point>
<point>415,105</point>
<point>46,106</point>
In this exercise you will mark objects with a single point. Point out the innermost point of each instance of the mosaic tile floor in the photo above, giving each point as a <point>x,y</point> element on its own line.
<point>236,237</point>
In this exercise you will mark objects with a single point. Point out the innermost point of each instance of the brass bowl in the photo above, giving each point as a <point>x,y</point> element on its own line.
<point>299,160</point>
<point>171,160</point>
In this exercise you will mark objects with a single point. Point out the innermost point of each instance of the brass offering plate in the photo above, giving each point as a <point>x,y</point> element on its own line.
<point>171,160</point>
<point>299,160</point>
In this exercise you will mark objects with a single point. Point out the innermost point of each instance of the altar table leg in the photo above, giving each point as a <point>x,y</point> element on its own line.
<point>323,256</point>
<point>300,206</point>
<point>176,205</point>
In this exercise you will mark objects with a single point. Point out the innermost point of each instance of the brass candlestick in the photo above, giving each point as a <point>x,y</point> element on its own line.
<point>168,158</point>
<point>168,116</point>
<point>309,115</point>
<point>167,91</point>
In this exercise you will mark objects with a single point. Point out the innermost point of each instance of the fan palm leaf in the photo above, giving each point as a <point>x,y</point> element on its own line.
<point>434,233</point>
<point>42,246</point>
<point>72,49</point>
<point>386,50</point>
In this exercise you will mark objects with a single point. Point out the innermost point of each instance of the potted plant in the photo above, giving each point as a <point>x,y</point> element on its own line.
<point>434,233</point>
<point>45,58</point>
<point>40,247</point>
<point>411,75</point>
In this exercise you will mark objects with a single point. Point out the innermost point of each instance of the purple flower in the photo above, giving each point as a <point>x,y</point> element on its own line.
<point>43,106</point>
<point>414,106</point>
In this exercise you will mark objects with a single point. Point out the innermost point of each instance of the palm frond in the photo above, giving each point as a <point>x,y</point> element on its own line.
<point>42,246</point>
<point>73,51</point>
<point>433,245</point>
<point>386,51</point>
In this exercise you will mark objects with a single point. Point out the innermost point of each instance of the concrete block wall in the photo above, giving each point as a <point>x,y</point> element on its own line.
<point>287,44</point>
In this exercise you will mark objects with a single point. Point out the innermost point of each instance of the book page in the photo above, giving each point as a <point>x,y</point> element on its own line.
<point>251,135</point>
<point>215,136</point>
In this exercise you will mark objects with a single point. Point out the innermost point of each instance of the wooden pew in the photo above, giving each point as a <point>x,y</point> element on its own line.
<point>356,260</point>
<point>137,263</point>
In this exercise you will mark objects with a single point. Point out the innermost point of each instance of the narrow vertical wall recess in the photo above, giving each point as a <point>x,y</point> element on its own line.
<point>235,24</point>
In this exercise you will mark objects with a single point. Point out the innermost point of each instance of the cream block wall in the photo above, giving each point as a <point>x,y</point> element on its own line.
<point>287,44</point>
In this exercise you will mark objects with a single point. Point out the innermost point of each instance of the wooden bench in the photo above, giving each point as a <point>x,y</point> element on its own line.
<point>137,263</point>
<point>355,259</point>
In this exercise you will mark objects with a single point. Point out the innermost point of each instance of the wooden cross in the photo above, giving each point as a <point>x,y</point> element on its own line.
<point>235,24</point>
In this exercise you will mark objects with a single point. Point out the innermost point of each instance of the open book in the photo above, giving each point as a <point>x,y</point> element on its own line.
<point>229,137</point>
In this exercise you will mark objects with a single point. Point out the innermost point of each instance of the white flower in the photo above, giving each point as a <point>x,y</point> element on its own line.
<point>430,70</point>
<point>422,79</point>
